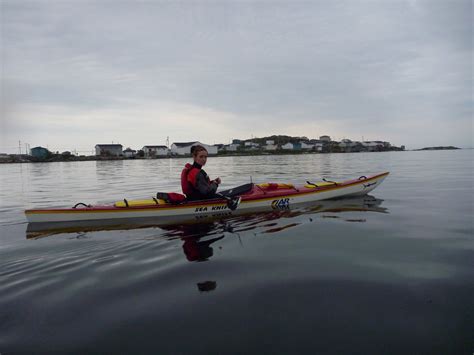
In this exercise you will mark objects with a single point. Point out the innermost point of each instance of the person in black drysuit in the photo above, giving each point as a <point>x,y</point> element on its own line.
<point>195,182</point>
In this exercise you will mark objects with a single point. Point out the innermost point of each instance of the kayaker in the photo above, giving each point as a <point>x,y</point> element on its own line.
<point>195,182</point>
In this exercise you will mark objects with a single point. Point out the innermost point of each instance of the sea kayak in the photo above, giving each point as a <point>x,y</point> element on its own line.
<point>257,197</point>
<point>230,221</point>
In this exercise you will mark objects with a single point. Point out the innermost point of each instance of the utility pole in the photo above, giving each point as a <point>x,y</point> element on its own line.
<point>19,147</point>
<point>167,142</point>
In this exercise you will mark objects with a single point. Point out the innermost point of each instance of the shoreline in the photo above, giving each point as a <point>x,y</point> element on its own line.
<point>26,159</point>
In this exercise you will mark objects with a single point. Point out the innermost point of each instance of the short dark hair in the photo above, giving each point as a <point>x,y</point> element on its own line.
<point>195,149</point>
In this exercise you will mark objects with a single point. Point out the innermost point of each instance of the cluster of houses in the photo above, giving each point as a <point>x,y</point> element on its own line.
<point>281,144</point>
<point>151,151</point>
<point>323,144</point>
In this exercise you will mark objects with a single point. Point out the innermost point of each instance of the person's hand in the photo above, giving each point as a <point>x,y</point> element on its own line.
<point>218,181</point>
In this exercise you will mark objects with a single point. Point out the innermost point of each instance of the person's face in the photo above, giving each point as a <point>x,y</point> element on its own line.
<point>201,158</point>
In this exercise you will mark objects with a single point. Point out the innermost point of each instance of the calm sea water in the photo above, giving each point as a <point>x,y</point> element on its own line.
<point>389,274</point>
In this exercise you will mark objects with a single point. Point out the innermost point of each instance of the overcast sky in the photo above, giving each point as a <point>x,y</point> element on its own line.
<point>78,73</point>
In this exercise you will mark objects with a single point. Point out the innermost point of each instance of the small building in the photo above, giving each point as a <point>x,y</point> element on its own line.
<point>270,142</point>
<point>40,152</point>
<point>236,141</point>
<point>232,147</point>
<point>318,147</point>
<point>297,146</point>
<point>306,146</point>
<point>220,147</point>
<point>129,153</point>
<point>114,150</point>
<point>251,145</point>
<point>346,145</point>
<point>151,151</point>
<point>288,146</point>
<point>270,147</point>
<point>373,146</point>
<point>185,148</point>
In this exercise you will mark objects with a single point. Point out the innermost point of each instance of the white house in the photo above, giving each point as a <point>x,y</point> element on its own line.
<point>270,147</point>
<point>232,147</point>
<point>373,145</point>
<point>185,148</point>
<point>347,144</point>
<point>270,142</point>
<point>306,145</point>
<point>251,145</point>
<point>129,153</point>
<point>151,151</point>
<point>109,149</point>
<point>288,146</point>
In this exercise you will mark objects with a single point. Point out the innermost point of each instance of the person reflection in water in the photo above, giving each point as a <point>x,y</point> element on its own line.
<point>196,250</point>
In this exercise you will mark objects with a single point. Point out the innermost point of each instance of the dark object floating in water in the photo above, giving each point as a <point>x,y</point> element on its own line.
<point>207,286</point>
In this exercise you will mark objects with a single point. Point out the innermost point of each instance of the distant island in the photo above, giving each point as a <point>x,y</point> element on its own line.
<point>439,148</point>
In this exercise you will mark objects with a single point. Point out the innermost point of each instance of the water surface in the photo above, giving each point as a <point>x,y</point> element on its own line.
<point>391,273</point>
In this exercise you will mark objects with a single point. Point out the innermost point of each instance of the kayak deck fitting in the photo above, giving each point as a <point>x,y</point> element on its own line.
<point>257,197</point>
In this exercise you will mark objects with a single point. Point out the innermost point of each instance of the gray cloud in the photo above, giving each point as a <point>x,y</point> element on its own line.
<point>344,68</point>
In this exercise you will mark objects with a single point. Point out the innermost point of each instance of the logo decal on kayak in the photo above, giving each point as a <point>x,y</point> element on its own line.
<point>368,185</point>
<point>283,203</point>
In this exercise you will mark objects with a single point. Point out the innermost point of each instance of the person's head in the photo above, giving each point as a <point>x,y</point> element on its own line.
<point>199,154</point>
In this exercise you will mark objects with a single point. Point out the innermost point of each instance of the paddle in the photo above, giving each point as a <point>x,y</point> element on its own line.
<point>232,203</point>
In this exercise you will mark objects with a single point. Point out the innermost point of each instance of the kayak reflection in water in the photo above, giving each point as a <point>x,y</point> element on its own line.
<point>195,182</point>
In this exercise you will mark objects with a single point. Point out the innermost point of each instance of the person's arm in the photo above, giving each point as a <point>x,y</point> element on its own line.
<point>203,186</point>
